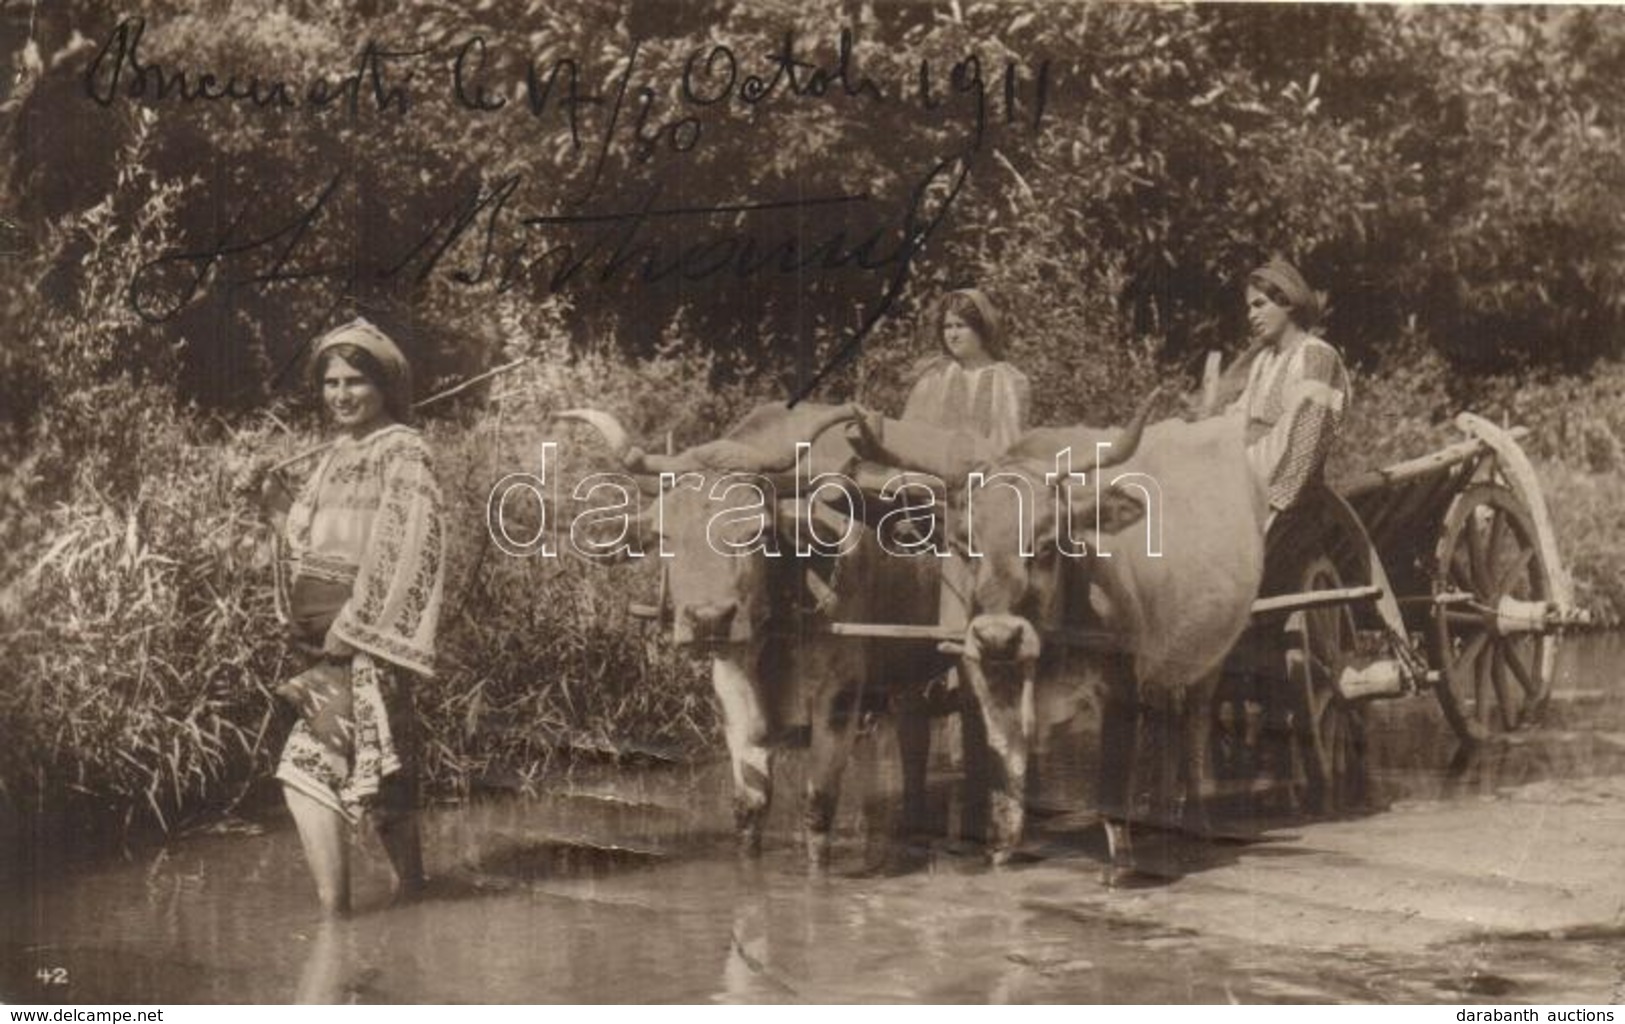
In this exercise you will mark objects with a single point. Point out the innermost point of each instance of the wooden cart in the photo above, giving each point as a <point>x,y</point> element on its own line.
<point>1439,574</point>
<point>1435,575</point>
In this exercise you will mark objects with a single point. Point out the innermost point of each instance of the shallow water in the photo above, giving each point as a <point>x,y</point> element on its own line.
<point>623,886</point>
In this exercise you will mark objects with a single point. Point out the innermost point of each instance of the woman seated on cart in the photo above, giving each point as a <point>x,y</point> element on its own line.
<point>967,385</point>
<point>1297,388</point>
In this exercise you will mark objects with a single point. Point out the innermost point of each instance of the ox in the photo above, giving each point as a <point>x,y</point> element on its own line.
<point>1145,632</point>
<point>729,584</point>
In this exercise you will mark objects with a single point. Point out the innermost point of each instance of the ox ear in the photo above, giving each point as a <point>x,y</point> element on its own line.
<point>1120,509</point>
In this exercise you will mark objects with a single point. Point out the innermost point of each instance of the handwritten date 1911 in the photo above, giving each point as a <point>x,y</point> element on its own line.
<point>632,99</point>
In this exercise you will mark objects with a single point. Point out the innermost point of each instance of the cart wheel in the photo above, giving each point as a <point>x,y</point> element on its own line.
<point>1490,678</point>
<point>1328,733</point>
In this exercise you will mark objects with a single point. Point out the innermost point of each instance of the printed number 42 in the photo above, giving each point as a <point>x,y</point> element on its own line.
<point>52,975</point>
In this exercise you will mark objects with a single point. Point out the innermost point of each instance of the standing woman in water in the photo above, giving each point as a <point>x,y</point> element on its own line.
<point>361,565</point>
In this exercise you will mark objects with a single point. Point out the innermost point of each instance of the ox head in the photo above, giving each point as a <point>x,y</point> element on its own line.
<point>1030,526</point>
<point>713,522</point>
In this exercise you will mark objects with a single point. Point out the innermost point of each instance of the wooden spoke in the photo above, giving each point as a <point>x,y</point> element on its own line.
<point>1461,575</point>
<point>1469,654</point>
<point>1476,556</point>
<point>1515,566</point>
<point>1503,687</point>
<point>1492,547</point>
<point>1511,651</point>
<point>1481,683</point>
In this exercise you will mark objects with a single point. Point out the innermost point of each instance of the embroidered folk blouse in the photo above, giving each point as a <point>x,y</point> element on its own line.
<point>1294,403</point>
<point>990,401</point>
<point>370,517</point>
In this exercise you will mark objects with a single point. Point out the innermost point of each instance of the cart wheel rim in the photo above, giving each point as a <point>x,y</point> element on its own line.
<point>1327,728</point>
<point>1490,681</point>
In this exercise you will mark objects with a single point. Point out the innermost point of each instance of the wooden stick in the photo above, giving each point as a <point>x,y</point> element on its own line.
<point>294,460</point>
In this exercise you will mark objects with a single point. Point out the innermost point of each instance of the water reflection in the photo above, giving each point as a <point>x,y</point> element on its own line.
<point>1414,755</point>
<point>329,966</point>
<point>624,887</point>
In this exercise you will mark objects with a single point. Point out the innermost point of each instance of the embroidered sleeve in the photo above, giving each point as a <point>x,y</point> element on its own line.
<point>1236,381</point>
<point>1300,441</point>
<point>928,395</point>
<point>394,607</point>
<point>1012,400</point>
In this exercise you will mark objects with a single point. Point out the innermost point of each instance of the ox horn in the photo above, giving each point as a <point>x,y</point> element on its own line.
<point>731,456</point>
<point>632,457</point>
<point>834,416</point>
<point>615,435</point>
<point>722,454</point>
<point>1128,442</point>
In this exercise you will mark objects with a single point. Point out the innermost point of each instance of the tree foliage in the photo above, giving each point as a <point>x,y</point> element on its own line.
<point>1449,171</point>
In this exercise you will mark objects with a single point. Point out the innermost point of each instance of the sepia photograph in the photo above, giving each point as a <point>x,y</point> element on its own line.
<point>812,501</point>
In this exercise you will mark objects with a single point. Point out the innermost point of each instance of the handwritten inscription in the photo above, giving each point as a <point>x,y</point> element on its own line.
<point>482,238</point>
<point>382,81</point>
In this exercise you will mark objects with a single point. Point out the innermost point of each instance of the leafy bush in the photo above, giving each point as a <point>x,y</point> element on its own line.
<point>139,642</point>
<point>134,641</point>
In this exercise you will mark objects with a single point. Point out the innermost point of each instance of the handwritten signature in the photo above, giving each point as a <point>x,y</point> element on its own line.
<point>481,238</point>
<point>482,241</point>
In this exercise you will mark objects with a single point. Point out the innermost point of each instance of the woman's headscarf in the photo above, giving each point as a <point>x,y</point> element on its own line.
<point>991,328</point>
<point>1306,304</point>
<point>397,382</point>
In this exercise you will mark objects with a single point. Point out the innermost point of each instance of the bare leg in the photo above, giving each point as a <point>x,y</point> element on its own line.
<point>323,833</point>
<point>328,965</point>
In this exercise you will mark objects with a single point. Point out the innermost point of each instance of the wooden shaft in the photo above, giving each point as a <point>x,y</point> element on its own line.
<point>1313,598</point>
<point>1399,472</point>
<point>891,632</point>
